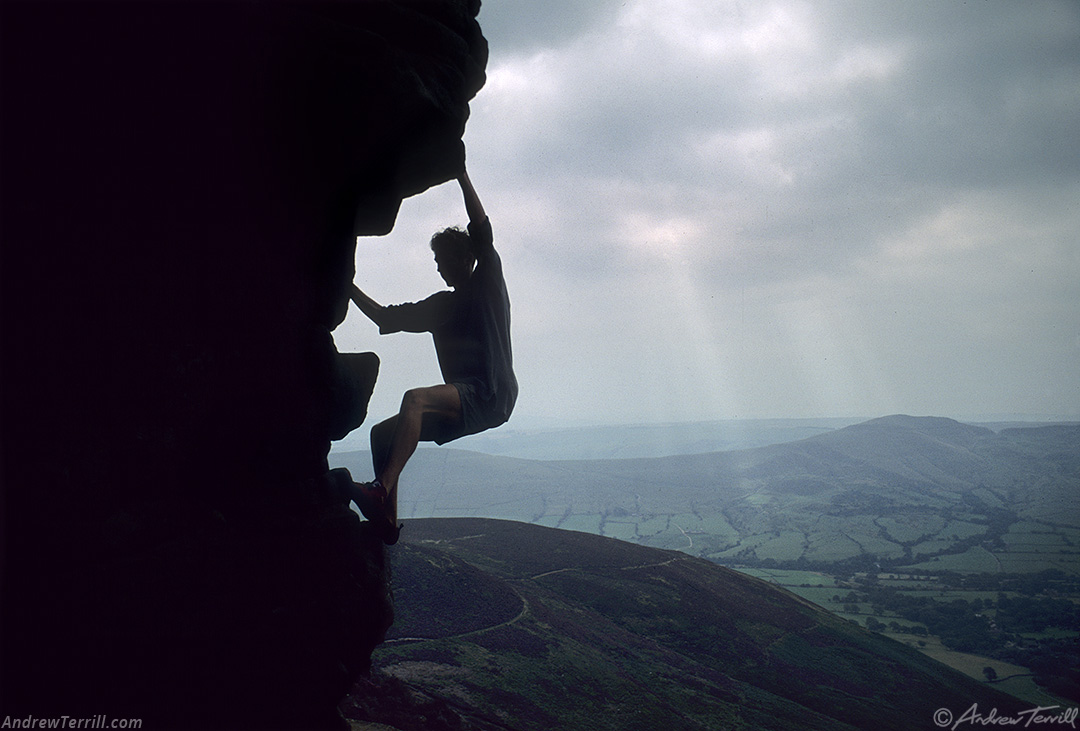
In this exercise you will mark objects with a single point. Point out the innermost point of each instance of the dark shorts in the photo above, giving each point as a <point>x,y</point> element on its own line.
<point>477,415</point>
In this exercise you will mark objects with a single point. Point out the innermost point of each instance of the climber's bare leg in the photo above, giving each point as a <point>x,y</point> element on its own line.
<point>394,441</point>
<point>382,438</point>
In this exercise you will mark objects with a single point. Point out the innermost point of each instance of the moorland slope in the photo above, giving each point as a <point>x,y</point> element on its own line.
<point>509,625</point>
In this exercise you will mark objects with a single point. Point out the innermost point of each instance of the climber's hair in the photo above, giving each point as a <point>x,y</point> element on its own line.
<point>454,242</point>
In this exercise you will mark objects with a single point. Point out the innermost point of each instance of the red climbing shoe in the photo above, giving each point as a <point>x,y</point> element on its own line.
<point>371,498</point>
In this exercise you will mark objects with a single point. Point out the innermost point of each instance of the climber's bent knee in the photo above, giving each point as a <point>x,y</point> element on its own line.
<point>442,400</point>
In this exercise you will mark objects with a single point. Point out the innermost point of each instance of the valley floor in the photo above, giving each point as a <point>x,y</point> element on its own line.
<point>838,597</point>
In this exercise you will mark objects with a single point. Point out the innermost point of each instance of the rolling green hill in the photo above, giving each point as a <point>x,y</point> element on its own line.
<point>918,492</point>
<point>509,625</point>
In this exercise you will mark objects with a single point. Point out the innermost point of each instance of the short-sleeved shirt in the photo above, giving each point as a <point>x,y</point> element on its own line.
<point>471,330</point>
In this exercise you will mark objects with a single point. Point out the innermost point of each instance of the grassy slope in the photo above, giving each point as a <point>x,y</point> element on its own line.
<point>587,632</point>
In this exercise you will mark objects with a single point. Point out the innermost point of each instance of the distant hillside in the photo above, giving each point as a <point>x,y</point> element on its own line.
<point>646,440</point>
<point>904,491</point>
<point>633,441</point>
<point>515,626</point>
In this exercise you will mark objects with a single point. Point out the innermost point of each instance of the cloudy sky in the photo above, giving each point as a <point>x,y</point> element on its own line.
<point>714,209</point>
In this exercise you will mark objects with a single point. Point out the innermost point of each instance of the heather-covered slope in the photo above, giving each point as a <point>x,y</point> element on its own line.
<point>571,630</point>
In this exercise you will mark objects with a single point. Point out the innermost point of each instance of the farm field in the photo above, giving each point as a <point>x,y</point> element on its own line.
<point>844,598</point>
<point>1013,679</point>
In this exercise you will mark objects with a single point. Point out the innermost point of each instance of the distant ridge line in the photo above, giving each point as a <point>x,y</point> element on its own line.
<point>643,441</point>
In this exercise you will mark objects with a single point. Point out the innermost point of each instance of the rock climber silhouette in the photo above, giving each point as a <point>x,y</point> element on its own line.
<point>470,326</point>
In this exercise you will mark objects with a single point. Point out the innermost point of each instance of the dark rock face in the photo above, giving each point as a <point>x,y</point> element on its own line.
<point>182,188</point>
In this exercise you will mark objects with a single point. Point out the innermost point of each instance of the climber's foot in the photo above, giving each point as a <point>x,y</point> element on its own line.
<point>372,500</point>
<point>370,497</point>
<point>389,533</point>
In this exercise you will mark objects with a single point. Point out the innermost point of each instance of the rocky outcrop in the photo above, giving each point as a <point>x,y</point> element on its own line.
<point>182,188</point>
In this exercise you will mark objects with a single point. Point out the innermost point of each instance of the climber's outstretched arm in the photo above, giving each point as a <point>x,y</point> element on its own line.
<point>368,306</point>
<point>472,201</point>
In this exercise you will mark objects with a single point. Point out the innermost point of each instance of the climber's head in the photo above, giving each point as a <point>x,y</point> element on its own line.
<point>453,255</point>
